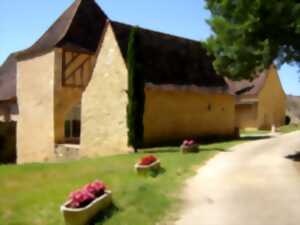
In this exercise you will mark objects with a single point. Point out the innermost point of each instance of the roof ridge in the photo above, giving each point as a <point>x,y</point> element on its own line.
<point>79,2</point>
<point>22,54</point>
<point>159,32</point>
<point>62,30</point>
<point>247,86</point>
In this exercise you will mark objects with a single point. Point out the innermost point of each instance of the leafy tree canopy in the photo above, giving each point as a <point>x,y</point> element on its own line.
<point>250,35</point>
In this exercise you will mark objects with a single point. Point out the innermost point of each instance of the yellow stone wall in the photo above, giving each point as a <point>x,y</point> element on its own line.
<point>272,102</point>
<point>172,115</point>
<point>104,102</point>
<point>246,116</point>
<point>35,91</point>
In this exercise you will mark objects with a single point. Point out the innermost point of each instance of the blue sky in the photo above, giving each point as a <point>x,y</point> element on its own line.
<point>23,22</point>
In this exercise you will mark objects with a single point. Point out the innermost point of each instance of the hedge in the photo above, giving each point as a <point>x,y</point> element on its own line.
<point>136,94</point>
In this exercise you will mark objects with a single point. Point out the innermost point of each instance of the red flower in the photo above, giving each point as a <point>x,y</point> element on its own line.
<point>97,188</point>
<point>81,198</point>
<point>86,195</point>
<point>148,160</point>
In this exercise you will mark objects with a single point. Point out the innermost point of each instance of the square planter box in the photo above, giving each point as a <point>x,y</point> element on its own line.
<point>145,170</point>
<point>82,216</point>
<point>188,149</point>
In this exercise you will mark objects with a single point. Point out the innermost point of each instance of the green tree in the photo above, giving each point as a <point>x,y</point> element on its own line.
<point>250,35</point>
<point>136,95</point>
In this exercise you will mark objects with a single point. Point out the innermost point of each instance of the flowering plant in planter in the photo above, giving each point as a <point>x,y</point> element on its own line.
<point>148,165</point>
<point>86,203</point>
<point>86,195</point>
<point>148,160</point>
<point>189,146</point>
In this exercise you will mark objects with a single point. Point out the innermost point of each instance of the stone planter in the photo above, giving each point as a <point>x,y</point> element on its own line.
<point>82,216</point>
<point>145,170</point>
<point>191,148</point>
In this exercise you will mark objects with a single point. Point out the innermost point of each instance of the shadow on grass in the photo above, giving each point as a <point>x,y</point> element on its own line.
<point>254,138</point>
<point>174,147</point>
<point>295,157</point>
<point>105,215</point>
<point>154,172</point>
<point>160,150</point>
<point>213,150</point>
<point>158,172</point>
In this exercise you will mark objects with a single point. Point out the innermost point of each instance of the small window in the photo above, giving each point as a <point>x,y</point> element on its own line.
<point>73,125</point>
<point>76,128</point>
<point>67,128</point>
<point>72,128</point>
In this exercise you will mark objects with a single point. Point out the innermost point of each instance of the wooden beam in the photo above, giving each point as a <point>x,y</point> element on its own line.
<point>75,70</point>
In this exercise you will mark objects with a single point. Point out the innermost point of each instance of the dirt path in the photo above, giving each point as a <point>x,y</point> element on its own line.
<point>252,185</point>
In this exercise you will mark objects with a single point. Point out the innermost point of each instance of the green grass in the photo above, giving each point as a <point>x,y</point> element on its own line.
<point>289,128</point>
<point>32,194</point>
<point>284,129</point>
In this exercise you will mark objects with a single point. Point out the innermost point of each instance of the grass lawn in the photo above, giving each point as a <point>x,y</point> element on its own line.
<point>284,129</point>
<point>289,128</point>
<point>32,194</point>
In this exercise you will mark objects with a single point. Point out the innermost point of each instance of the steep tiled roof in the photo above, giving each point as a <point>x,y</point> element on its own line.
<point>168,59</point>
<point>78,28</point>
<point>8,72</point>
<point>247,87</point>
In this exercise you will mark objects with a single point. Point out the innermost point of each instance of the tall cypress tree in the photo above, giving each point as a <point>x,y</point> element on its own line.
<point>136,94</point>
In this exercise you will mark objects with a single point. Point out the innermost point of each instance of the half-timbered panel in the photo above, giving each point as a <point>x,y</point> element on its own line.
<point>76,71</point>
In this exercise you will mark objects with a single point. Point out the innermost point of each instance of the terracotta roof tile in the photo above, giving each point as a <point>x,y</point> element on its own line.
<point>247,87</point>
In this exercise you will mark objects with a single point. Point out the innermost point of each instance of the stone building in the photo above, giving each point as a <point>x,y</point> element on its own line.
<point>261,103</point>
<point>71,89</point>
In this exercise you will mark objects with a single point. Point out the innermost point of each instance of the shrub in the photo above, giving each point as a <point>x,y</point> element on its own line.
<point>136,95</point>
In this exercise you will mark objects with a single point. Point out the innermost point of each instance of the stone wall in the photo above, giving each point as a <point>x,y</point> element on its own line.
<point>35,92</point>
<point>272,102</point>
<point>174,115</point>
<point>104,102</point>
<point>246,116</point>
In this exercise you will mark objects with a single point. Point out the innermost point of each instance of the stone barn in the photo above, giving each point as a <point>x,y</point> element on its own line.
<point>261,103</point>
<point>72,89</point>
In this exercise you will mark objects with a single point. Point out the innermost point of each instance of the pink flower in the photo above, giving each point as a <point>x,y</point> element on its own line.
<point>189,142</point>
<point>97,188</point>
<point>86,195</point>
<point>80,198</point>
<point>185,142</point>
